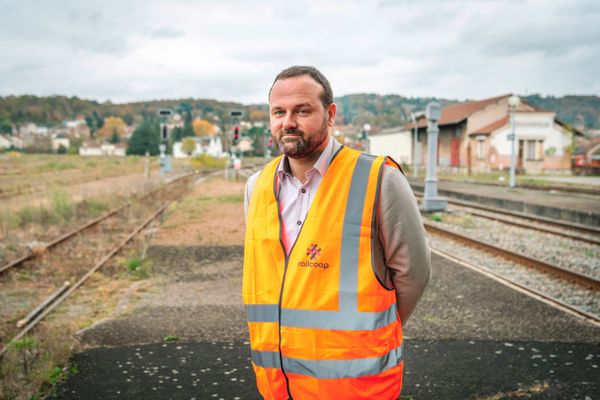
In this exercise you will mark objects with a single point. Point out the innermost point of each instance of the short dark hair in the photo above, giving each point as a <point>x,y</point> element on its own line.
<point>299,70</point>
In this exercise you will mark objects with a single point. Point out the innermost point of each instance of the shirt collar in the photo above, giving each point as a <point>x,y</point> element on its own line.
<point>320,165</point>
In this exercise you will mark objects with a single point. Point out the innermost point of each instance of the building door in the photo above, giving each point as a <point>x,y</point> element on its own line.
<point>454,146</point>
<point>520,153</point>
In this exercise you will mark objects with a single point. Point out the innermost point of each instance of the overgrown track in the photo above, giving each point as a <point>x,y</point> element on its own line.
<point>90,224</point>
<point>78,254</point>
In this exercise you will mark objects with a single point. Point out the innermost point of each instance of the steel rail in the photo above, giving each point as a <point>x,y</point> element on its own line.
<point>562,224</point>
<point>563,273</point>
<point>534,227</point>
<point>537,228</point>
<point>535,293</point>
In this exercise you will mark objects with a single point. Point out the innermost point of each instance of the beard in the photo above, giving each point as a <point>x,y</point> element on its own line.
<point>300,145</point>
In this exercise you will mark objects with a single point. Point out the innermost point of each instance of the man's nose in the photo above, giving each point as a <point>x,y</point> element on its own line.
<point>289,121</point>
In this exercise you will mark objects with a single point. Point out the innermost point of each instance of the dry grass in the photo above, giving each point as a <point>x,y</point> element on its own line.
<point>212,214</point>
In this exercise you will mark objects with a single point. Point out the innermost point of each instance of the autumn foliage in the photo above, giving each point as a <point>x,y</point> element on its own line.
<point>203,128</point>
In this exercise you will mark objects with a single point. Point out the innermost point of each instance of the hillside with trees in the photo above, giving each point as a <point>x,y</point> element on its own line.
<point>379,111</point>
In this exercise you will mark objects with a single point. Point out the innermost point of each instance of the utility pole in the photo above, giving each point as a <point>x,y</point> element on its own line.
<point>431,201</point>
<point>513,103</point>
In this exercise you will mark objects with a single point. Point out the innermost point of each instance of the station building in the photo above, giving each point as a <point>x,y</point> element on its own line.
<point>475,135</point>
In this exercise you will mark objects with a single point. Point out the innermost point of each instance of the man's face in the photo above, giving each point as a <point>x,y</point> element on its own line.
<point>299,121</point>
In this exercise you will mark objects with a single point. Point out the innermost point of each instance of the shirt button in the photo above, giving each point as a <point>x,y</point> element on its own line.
<point>299,222</point>
<point>303,190</point>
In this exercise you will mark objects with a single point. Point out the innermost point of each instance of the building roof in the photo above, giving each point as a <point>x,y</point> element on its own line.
<point>456,113</point>
<point>491,127</point>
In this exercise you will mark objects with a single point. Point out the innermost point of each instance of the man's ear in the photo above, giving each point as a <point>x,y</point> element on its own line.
<point>331,112</point>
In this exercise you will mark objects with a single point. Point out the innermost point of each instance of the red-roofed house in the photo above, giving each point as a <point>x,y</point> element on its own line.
<point>475,135</point>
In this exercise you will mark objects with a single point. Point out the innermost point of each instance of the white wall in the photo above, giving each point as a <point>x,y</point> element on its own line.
<point>532,126</point>
<point>396,145</point>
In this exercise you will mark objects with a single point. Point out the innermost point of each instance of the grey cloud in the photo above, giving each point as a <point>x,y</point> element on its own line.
<point>553,33</point>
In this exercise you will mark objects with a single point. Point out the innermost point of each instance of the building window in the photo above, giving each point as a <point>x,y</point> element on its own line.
<point>479,149</point>
<point>534,150</point>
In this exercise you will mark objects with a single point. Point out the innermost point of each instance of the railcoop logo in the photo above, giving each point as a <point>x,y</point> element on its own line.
<point>312,252</point>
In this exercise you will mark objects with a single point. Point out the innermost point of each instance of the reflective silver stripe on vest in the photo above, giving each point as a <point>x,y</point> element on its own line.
<point>266,359</point>
<point>348,301</point>
<point>319,319</point>
<point>343,319</point>
<point>262,312</point>
<point>330,369</point>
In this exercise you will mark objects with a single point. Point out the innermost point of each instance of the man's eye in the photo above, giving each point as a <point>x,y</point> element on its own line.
<point>278,112</point>
<point>303,111</point>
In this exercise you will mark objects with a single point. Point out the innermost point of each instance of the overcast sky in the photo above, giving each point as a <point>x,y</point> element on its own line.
<point>231,50</point>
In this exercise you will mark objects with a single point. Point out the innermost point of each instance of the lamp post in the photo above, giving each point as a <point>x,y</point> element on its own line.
<point>513,103</point>
<point>366,129</point>
<point>431,201</point>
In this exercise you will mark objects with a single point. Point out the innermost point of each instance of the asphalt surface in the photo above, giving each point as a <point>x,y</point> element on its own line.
<point>470,338</point>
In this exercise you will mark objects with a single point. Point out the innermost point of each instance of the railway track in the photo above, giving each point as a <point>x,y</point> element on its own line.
<point>566,229</point>
<point>591,285</point>
<point>61,251</point>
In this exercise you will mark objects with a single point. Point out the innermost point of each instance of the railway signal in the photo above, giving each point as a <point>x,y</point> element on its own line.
<point>236,135</point>
<point>165,160</point>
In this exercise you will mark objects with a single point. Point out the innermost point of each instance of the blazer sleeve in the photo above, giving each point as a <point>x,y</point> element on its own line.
<point>402,237</point>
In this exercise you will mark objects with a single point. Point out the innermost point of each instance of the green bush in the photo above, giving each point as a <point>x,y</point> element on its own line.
<point>436,218</point>
<point>204,161</point>
<point>133,264</point>
<point>61,205</point>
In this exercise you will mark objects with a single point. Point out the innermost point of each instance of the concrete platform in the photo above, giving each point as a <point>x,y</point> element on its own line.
<point>471,338</point>
<point>572,207</point>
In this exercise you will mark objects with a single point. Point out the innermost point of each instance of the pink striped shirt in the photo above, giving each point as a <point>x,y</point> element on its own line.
<point>295,197</point>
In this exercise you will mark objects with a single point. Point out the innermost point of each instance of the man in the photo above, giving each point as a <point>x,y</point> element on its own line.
<point>335,257</point>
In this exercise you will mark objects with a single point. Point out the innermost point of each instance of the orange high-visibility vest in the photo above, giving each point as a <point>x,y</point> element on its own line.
<point>322,326</point>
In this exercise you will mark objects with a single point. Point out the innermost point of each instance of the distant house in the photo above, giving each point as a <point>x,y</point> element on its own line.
<point>393,142</point>
<point>28,129</point>
<point>5,142</point>
<point>210,145</point>
<point>60,140</point>
<point>90,149</point>
<point>104,149</point>
<point>475,134</point>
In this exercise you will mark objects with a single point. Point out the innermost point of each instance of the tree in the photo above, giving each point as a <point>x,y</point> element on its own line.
<point>91,123</point>
<point>177,134</point>
<point>188,146</point>
<point>114,139</point>
<point>61,149</point>
<point>202,127</point>
<point>111,124</point>
<point>5,126</point>
<point>145,138</point>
